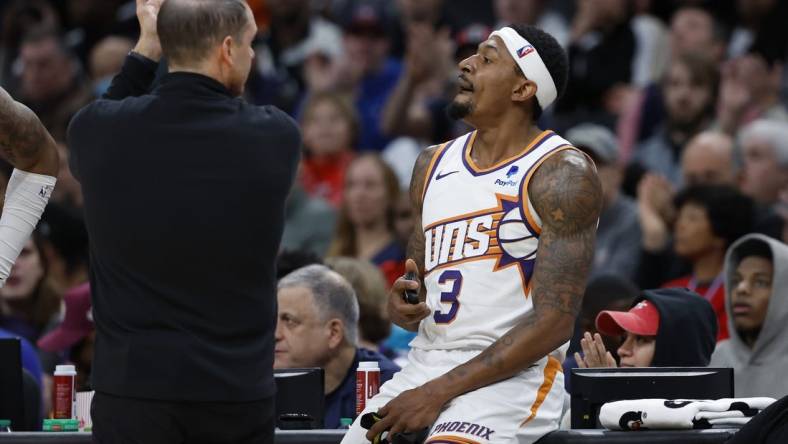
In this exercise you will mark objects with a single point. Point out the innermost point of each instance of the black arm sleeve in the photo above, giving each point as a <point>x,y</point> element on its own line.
<point>134,79</point>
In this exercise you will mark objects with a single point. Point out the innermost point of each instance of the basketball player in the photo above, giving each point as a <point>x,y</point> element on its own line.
<point>508,216</point>
<point>31,150</point>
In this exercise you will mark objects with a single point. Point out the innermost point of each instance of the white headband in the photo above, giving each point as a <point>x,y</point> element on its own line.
<point>530,63</point>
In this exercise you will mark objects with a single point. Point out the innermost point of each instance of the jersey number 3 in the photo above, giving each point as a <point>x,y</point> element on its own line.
<point>449,297</point>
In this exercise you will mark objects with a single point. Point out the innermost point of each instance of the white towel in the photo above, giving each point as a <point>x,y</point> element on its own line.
<point>743,404</point>
<point>729,421</point>
<point>720,415</point>
<point>678,413</point>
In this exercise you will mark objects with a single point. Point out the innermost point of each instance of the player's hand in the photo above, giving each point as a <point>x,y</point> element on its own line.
<point>147,14</point>
<point>411,411</point>
<point>595,355</point>
<point>402,313</point>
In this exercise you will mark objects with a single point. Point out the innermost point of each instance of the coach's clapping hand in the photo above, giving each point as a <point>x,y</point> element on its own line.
<point>411,411</point>
<point>147,14</point>
<point>402,313</point>
<point>595,354</point>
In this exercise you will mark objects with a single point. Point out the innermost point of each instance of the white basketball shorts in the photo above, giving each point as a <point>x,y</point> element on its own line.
<point>520,409</point>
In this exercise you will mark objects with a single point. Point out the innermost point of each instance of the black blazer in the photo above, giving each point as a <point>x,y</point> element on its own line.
<point>184,192</point>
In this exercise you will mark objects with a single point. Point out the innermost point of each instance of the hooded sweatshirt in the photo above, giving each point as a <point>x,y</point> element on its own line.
<point>687,328</point>
<point>760,370</point>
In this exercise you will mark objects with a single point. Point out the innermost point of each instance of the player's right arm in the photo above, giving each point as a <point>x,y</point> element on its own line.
<point>408,316</point>
<point>32,151</point>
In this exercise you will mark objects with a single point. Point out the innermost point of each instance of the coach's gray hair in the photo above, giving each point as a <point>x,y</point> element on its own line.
<point>188,29</point>
<point>333,295</point>
<point>773,132</point>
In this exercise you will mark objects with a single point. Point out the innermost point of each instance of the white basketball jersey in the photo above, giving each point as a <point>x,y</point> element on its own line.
<point>482,236</point>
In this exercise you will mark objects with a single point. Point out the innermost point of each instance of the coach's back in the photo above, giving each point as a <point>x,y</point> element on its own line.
<point>184,191</point>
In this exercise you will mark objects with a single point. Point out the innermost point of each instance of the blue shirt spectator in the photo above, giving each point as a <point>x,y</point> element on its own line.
<point>374,90</point>
<point>30,360</point>
<point>341,403</point>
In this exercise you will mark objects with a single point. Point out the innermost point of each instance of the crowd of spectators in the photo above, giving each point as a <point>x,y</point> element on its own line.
<point>681,104</point>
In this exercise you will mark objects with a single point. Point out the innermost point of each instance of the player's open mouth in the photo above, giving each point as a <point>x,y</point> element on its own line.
<point>465,86</point>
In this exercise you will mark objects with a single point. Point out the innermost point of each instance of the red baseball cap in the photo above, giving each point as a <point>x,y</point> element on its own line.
<point>642,319</point>
<point>76,325</point>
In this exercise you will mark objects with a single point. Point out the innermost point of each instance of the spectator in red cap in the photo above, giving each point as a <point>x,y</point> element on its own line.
<point>75,334</point>
<point>669,327</point>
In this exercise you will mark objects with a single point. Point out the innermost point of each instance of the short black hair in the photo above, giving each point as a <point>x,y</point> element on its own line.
<point>289,261</point>
<point>603,291</point>
<point>189,28</point>
<point>753,248</point>
<point>63,227</point>
<point>731,214</point>
<point>553,56</point>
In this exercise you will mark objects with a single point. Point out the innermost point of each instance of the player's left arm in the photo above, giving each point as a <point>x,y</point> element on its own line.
<point>25,142</point>
<point>567,195</point>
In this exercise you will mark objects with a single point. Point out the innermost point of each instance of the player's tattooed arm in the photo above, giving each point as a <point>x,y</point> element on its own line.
<point>25,142</point>
<point>408,316</point>
<point>416,242</point>
<point>567,195</point>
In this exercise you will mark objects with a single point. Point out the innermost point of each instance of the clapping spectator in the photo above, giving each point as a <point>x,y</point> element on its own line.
<point>664,328</point>
<point>416,106</point>
<point>604,292</point>
<point>755,299</point>
<point>708,159</point>
<point>366,220</point>
<point>367,71</point>
<point>709,219</point>
<point>294,35</point>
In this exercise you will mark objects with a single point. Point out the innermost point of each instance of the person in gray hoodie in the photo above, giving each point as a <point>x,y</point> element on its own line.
<point>756,298</point>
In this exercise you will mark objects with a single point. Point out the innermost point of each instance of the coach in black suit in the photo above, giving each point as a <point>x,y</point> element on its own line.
<point>184,189</point>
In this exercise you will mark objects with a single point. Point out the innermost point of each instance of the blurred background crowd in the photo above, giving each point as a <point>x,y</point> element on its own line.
<point>681,104</point>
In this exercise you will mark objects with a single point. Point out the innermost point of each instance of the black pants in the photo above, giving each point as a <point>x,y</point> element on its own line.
<point>123,420</point>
